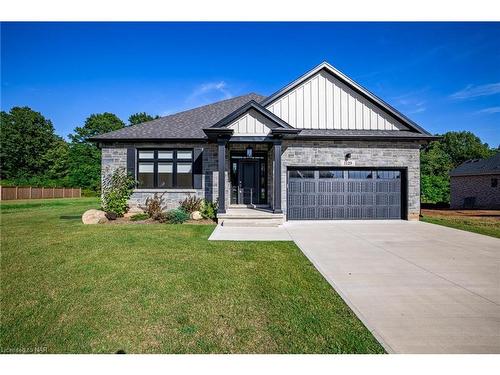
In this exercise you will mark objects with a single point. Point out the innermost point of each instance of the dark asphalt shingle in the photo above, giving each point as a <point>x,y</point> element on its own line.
<point>183,125</point>
<point>478,166</point>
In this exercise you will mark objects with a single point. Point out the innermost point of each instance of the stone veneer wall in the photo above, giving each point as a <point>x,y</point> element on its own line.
<point>115,156</point>
<point>475,186</point>
<point>294,154</point>
<point>363,153</point>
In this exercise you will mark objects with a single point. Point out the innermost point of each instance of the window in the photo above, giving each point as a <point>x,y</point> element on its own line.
<point>388,175</point>
<point>331,174</point>
<point>360,174</point>
<point>494,182</point>
<point>164,169</point>
<point>302,174</point>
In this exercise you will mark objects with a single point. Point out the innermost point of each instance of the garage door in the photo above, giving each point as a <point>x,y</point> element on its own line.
<point>350,194</point>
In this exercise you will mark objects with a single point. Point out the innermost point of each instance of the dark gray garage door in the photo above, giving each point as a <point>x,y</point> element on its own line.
<point>334,194</point>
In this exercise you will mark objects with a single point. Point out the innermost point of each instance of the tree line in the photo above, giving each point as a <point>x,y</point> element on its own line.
<point>32,154</point>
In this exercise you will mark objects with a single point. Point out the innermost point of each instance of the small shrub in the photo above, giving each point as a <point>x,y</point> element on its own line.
<point>139,217</point>
<point>117,187</point>
<point>177,216</point>
<point>191,203</point>
<point>154,206</point>
<point>209,210</point>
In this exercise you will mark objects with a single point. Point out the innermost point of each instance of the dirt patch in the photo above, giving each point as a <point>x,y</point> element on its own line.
<point>487,215</point>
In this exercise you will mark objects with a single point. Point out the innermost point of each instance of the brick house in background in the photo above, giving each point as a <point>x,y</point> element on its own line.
<point>476,184</point>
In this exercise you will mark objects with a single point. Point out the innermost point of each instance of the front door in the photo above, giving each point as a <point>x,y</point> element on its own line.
<point>248,181</point>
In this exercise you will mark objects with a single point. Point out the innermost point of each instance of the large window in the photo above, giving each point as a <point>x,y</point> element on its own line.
<point>165,169</point>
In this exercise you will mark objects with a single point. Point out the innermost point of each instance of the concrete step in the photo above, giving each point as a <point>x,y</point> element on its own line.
<point>250,222</point>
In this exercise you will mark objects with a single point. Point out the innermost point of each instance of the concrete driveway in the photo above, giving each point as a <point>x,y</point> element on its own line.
<point>420,288</point>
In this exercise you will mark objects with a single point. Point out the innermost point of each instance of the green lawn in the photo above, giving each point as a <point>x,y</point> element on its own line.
<point>67,287</point>
<point>486,227</point>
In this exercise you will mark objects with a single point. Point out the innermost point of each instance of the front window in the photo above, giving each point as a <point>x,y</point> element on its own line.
<point>164,169</point>
<point>494,182</point>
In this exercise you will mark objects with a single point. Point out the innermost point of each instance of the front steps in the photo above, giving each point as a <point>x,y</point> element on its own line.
<point>250,217</point>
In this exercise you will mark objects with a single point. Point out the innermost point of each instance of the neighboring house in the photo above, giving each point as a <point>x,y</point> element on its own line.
<point>476,184</point>
<point>322,147</point>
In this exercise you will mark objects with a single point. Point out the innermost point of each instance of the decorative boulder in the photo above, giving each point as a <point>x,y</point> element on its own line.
<point>94,217</point>
<point>196,215</point>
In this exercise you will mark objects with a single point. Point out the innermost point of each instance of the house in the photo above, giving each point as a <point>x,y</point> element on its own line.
<point>320,148</point>
<point>475,184</point>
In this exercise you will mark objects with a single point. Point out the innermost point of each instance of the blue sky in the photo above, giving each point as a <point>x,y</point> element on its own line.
<point>444,76</point>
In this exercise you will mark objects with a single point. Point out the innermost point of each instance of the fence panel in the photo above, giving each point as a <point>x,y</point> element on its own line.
<point>28,192</point>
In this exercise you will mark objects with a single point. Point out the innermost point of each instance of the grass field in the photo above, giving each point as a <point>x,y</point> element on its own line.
<point>71,288</point>
<point>487,223</point>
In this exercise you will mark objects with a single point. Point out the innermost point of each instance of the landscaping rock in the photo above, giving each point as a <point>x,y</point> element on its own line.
<point>196,215</point>
<point>94,217</point>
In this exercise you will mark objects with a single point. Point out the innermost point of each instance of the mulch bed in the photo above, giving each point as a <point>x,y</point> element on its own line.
<point>126,220</point>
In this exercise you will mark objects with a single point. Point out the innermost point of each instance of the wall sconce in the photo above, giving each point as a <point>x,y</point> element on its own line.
<point>347,156</point>
<point>249,152</point>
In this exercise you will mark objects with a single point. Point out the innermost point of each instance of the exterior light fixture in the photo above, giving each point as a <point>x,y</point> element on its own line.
<point>347,156</point>
<point>249,152</point>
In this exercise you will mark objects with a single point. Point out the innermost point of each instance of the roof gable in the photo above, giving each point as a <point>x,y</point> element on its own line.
<point>361,104</point>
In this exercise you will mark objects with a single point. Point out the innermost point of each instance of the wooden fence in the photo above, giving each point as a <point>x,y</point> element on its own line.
<point>22,192</point>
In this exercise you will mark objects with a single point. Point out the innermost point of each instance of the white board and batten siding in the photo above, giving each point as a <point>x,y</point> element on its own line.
<point>251,123</point>
<point>324,102</point>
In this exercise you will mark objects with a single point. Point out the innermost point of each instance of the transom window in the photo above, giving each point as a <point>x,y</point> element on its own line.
<point>164,169</point>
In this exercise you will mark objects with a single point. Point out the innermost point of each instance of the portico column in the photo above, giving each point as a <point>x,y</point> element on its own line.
<point>221,143</point>
<point>277,177</point>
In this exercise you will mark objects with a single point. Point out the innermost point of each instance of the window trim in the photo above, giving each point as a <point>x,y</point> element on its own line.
<point>172,160</point>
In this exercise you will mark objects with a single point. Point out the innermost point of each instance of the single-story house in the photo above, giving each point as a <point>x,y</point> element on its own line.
<point>475,184</point>
<point>321,148</point>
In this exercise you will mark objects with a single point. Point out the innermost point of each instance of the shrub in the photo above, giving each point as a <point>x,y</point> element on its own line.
<point>139,217</point>
<point>177,216</point>
<point>154,206</point>
<point>191,203</point>
<point>117,188</point>
<point>209,209</point>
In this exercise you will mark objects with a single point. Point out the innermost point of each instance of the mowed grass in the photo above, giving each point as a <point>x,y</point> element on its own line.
<point>73,288</point>
<point>486,227</point>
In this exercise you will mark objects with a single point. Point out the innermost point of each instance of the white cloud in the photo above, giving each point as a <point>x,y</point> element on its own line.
<point>209,92</point>
<point>489,110</point>
<point>474,91</point>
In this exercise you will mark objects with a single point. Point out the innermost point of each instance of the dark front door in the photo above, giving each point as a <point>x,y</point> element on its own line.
<point>248,177</point>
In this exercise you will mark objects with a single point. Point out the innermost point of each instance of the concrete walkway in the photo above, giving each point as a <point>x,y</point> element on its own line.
<point>420,288</point>
<point>229,233</point>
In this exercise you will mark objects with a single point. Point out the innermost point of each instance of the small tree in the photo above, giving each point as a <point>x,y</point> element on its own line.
<point>117,187</point>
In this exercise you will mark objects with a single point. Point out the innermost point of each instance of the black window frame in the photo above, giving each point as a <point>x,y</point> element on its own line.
<point>174,160</point>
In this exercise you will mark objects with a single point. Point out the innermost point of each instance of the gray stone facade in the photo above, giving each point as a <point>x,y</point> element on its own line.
<point>363,154</point>
<point>294,154</point>
<point>478,187</point>
<point>115,156</point>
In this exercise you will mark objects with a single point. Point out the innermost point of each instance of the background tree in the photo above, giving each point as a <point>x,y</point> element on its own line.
<point>85,156</point>
<point>440,157</point>
<point>140,117</point>
<point>27,140</point>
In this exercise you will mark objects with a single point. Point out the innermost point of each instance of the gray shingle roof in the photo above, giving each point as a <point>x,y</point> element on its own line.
<point>368,134</point>
<point>183,125</point>
<point>478,167</point>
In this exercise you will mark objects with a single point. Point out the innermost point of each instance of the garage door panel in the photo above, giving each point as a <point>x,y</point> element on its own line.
<point>344,194</point>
